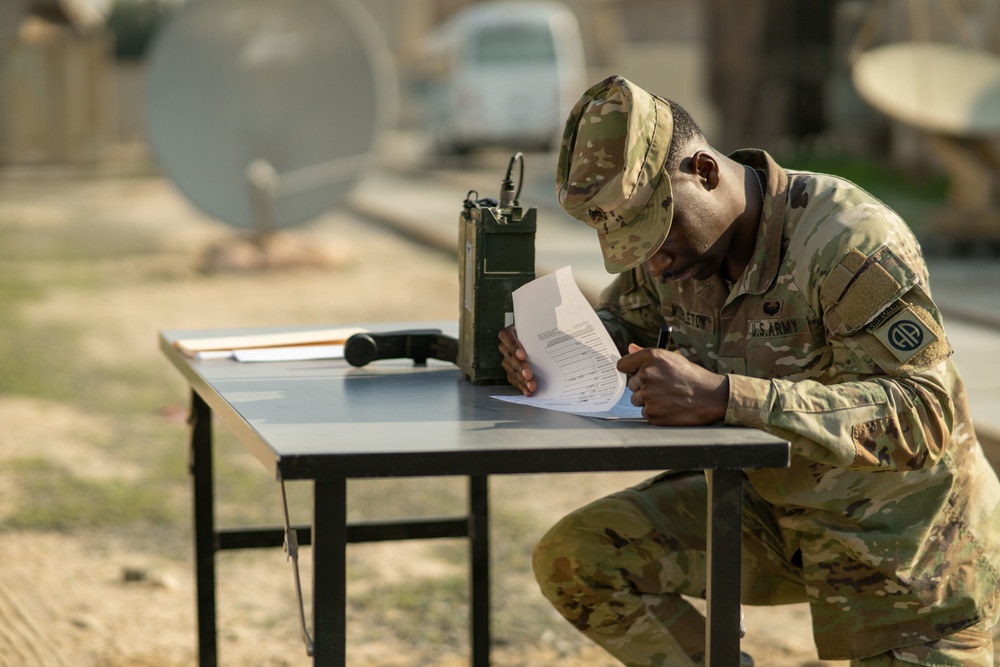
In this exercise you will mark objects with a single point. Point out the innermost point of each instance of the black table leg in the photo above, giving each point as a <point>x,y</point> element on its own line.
<point>479,556</point>
<point>725,518</point>
<point>204,528</point>
<point>329,544</point>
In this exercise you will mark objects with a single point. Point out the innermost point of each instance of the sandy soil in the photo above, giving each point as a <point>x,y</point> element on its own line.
<point>101,265</point>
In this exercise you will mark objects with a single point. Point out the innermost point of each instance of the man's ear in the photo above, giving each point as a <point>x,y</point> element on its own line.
<point>704,164</point>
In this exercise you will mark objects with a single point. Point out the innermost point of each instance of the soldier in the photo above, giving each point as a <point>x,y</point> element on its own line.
<point>800,306</point>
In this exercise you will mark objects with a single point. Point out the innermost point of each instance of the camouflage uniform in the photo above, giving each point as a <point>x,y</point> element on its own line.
<point>887,521</point>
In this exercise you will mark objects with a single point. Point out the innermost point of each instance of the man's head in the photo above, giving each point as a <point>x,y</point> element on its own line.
<point>619,146</point>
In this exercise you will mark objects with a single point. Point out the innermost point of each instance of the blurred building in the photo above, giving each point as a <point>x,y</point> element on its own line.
<point>56,81</point>
<point>771,73</point>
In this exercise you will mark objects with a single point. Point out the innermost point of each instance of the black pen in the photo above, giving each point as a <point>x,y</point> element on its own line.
<point>663,340</point>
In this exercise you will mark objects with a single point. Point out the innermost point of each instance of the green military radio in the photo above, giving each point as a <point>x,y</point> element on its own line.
<point>496,255</point>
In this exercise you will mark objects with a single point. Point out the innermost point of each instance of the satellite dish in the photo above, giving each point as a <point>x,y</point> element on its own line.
<point>937,87</point>
<point>265,113</point>
<point>953,95</point>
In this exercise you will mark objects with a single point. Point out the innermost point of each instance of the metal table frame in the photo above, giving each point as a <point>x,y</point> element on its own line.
<point>722,452</point>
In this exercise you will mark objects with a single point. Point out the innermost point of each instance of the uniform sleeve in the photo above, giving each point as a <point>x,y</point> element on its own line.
<point>890,402</point>
<point>630,310</point>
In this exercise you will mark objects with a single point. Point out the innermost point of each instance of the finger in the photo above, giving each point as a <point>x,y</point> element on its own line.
<point>508,336</point>
<point>513,370</point>
<point>528,376</point>
<point>515,356</point>
<point>629,364</point>
<point>636,399</point>
<point>506,348</point>
<point>519,375</point>
<point>656,420</point>
<point>513,364</point>
<point>632,347</point>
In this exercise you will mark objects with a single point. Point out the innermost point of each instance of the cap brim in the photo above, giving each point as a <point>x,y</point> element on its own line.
<point>632,244</point>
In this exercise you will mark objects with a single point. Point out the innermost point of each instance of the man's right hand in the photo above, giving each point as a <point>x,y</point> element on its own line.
<point>515,362</point>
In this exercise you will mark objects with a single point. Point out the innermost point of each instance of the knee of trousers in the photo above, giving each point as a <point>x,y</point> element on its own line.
<point>577,562</point>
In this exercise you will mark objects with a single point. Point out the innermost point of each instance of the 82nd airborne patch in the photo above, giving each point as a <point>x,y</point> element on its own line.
<point>901,331</point>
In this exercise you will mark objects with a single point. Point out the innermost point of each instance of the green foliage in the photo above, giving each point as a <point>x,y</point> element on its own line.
<point>874,175</point>
<point>134,23</point>
<point>911,193</point>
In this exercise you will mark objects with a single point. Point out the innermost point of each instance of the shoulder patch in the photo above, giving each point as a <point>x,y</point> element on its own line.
<point>901,331</point>
<point>906,337</point>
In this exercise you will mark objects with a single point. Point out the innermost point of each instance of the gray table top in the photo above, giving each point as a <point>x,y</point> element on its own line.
<point>327,419</point>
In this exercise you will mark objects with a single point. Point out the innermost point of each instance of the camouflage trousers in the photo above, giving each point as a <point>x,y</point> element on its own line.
<point>618,570</point>
<point>972,647</point>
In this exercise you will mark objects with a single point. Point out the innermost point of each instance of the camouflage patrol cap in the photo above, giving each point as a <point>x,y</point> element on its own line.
<point>611,172</point>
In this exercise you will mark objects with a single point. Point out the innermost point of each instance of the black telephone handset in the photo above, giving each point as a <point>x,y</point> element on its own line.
<point>417,344</point>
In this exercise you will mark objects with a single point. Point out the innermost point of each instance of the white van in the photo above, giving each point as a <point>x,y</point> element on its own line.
<point>501,74</point>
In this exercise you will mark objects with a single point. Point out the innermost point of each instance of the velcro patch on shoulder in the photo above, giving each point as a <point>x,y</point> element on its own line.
<point>882,279</point>
<point>841,277</point>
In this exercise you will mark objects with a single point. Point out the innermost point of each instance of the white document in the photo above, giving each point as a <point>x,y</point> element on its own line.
<point>291,353</point>
<point>571,354</point>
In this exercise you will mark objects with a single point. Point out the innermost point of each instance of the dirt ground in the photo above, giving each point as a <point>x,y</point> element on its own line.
<point>94,510</point>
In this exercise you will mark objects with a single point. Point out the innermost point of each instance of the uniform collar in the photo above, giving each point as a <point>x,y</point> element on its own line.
<point>763,267</point>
